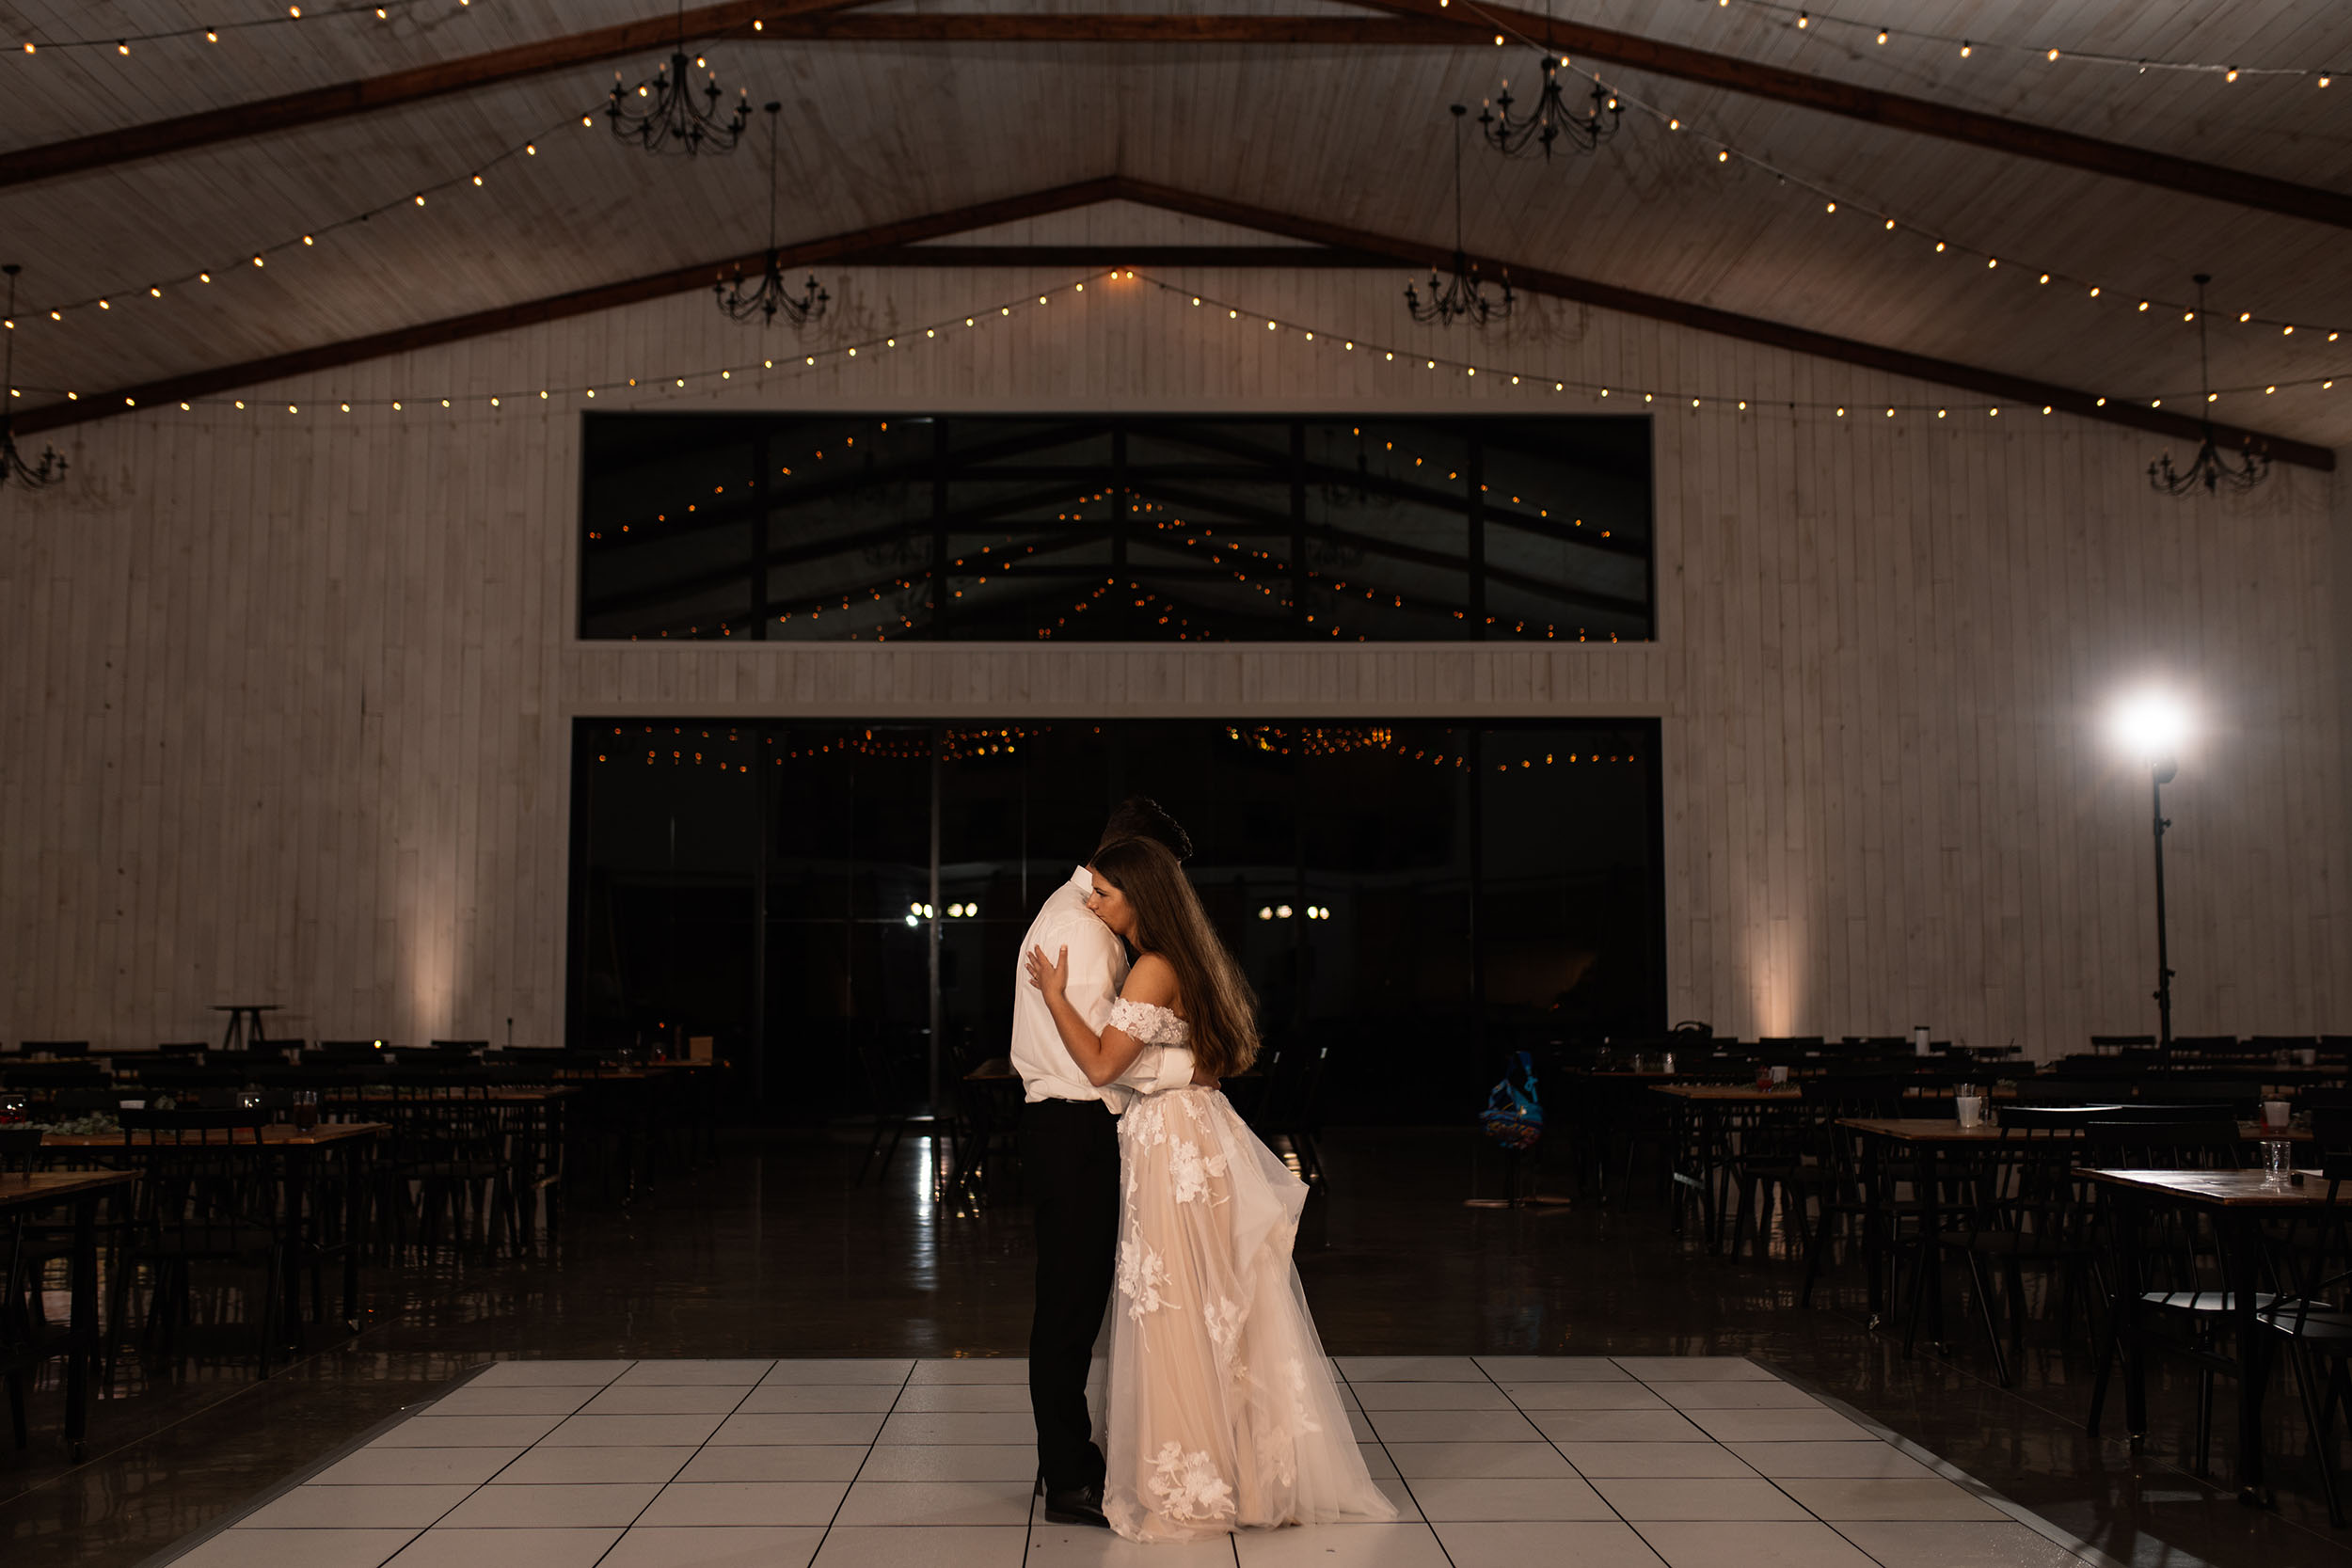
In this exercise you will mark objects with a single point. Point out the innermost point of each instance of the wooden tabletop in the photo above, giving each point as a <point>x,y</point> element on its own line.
<point>1748,1094</point>
<point>276,1136</point>
<point>2217,1189</point>
<point>1943,1129</point>
<point>43,1188</point>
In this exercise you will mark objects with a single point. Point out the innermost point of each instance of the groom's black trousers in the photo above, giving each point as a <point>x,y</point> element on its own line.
<point>1070,1152</point>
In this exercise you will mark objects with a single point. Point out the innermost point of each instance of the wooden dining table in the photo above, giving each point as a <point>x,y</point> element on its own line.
<point>2238,1202</point>
<point>83,1190</point>
<point>1926,1139</point>
<point>299,1152</point>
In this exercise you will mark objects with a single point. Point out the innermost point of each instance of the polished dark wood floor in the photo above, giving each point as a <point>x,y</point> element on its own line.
<point>773,1253</point>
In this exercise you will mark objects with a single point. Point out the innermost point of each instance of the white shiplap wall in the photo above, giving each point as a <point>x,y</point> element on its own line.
<point>287,696</point>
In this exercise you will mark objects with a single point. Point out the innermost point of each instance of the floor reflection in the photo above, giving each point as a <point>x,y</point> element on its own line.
<point>774,1252</point>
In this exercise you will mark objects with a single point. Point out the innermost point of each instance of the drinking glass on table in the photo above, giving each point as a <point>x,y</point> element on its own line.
<point>2277,1157</point>
<point>306,1109</point>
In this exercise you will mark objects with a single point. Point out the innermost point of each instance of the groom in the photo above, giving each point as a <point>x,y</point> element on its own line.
<point>1070,1149</point>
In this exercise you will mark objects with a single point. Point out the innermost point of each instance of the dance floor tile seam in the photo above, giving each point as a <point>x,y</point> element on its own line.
<point>1698,1462</point>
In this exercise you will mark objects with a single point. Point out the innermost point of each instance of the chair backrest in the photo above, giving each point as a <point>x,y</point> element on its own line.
<point>2140,1144</point>
<point>18,1147</point>
<point>54,1048</point>
<point>54,1075</point>
<point>2044,1120</point>
<point>2331,1129</point>
<point>469,1048</point>
<point>181,1047</point>
<point>174,1126</point>
<point>2216,1110</point>
<point>2119,1042</point>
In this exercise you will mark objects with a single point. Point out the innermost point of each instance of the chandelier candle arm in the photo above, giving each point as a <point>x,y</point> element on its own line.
<point>1553,121</point>
<point>773,297</point>
<point>1463,295</point>
<point>2209,470</point>
<point>13,466</point>
<point>671,120</point>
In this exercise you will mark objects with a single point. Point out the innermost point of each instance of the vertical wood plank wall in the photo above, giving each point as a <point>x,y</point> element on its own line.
<point>287,697</point>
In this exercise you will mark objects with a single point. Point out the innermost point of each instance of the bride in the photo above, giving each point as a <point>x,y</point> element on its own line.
<point>1223,1413</point>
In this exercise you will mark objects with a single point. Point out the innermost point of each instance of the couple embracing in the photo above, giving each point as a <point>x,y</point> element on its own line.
<point>1155,1200</point>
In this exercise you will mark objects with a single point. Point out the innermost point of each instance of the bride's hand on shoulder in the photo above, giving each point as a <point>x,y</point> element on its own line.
<point>1052,977</point>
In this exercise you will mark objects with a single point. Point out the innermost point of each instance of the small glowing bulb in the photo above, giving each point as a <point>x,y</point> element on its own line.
<point>2054,53</point>
<point>2231,74</point>
<point>1881,35</point>
<point>1967,49</point>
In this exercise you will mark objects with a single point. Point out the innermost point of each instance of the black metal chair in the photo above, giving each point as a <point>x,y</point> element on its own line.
<point>2029,1212</point>
<point>2313,1319</point>
<point>2182,1269</point>
<point>201,1203</point>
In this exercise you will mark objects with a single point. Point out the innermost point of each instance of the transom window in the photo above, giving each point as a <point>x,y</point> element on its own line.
<point>1116,527</point>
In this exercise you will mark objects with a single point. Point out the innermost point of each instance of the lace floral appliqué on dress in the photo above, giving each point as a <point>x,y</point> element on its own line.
<point>1223,1412</point>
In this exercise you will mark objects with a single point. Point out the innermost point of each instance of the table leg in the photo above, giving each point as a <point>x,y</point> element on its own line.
<point>2128,1290</point>
<point>1930,1244</point>
<point>1876,1228</point>
<point>354,1216</point>
<point>296,1189</point>
<point>82,1331</point>
<point>2242,1256</point>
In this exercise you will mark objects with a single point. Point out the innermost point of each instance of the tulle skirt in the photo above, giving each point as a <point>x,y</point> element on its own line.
<point>1222,1412</point>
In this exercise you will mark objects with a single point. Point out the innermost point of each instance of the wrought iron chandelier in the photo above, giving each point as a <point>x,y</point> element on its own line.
<point>51,469</point>
<point>670,120</point>
<point>2210,470</point>
<point>1553,122</point>
<point>773,297</point>
<point>1461,296</point>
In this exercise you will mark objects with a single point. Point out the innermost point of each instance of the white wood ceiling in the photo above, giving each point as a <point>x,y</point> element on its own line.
<point>1353,135</point>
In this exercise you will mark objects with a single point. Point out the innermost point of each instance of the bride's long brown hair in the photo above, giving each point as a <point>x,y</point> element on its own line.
<point>1218,1003</point>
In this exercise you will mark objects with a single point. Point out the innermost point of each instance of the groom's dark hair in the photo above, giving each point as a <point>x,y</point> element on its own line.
<point>1140,816</point>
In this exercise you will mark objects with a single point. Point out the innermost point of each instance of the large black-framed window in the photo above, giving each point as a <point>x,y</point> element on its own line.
<point>1417,897</point>
<point>1116,527</point>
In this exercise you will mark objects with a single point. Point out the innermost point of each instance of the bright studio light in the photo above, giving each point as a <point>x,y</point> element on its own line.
<point>2149,724</point>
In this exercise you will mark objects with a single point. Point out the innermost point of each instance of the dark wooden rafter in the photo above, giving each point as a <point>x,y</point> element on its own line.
<point>2007,389</point>
<point>806,21</point>
<point>369,94</point>
<point>1896,111</point>
<point>1410,23</point>
<point>853,248</point>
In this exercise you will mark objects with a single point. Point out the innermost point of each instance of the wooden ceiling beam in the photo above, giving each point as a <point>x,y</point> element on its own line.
<point>1446,24</point>
<point>579,302</point>
<point>2011,389</point>
<point>367,95</point>
<point>2021,138</point>
<point>884,245</point>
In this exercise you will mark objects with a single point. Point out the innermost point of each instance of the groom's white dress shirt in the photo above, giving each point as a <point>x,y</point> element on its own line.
<point>1098,967</point>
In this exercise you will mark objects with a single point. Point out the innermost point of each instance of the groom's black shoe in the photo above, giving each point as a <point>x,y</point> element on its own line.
<point>1079,1505</point>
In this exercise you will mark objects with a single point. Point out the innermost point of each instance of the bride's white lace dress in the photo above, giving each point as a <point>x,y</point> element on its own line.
<point>1223,1413</point>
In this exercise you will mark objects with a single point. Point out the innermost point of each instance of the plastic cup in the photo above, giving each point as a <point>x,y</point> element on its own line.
<point>2275,1113</point>
<point>1969,1109</point>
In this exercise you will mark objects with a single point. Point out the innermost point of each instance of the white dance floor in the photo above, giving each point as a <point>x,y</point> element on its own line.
<point>1630,1461</point>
